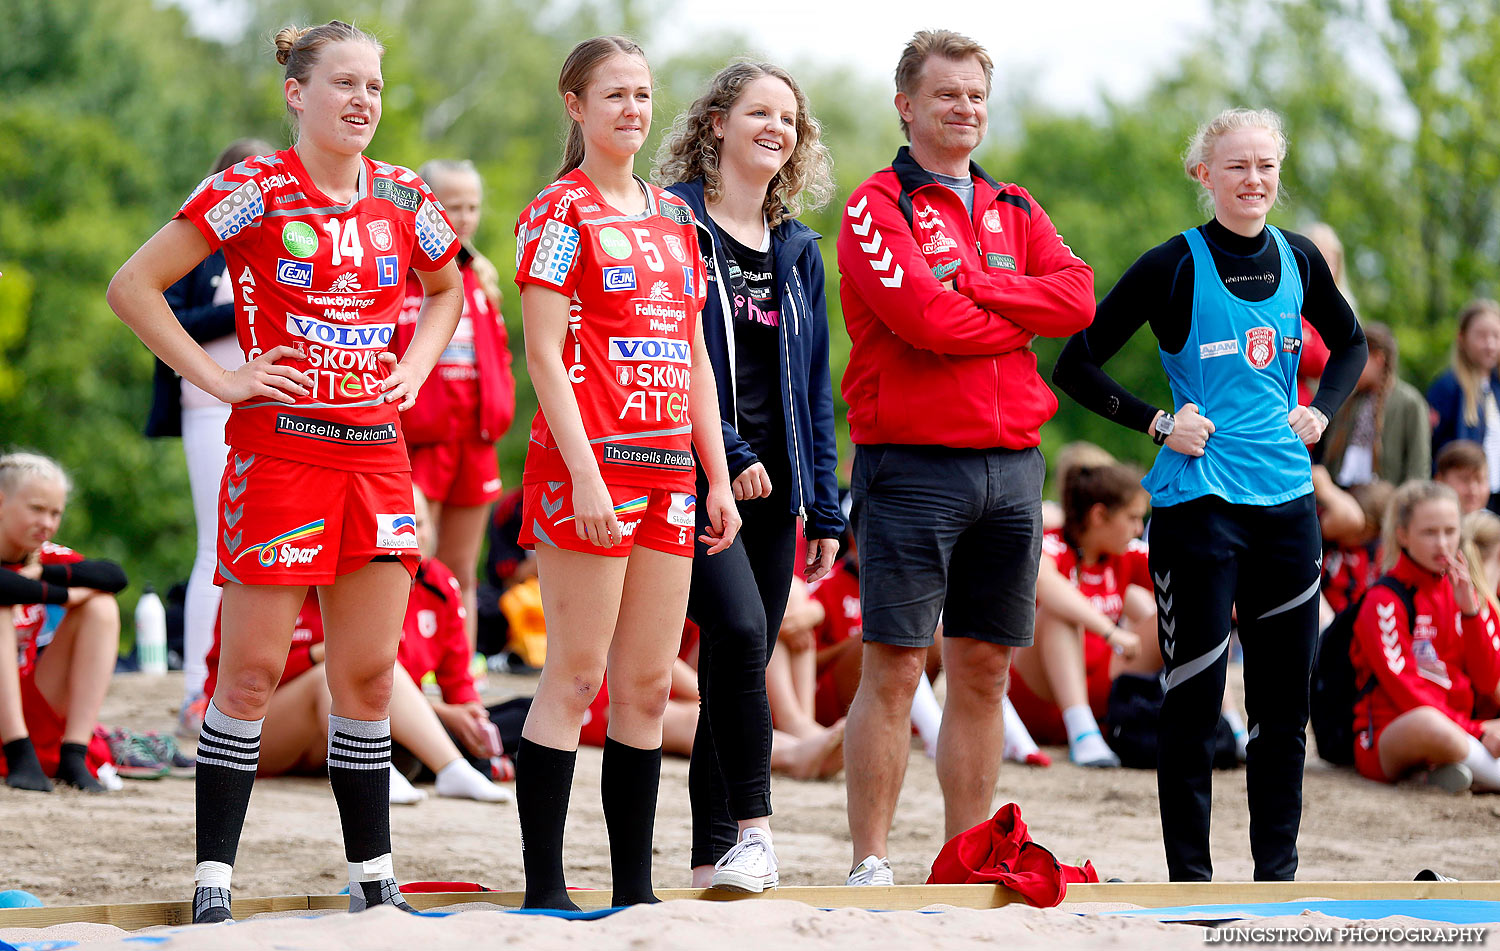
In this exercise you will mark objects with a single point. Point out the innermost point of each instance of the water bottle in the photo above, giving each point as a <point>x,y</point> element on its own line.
<point>151,633</point>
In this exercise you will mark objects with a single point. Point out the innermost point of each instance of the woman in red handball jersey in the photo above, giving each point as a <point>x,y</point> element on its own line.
<point>746,157</point>
<point>49,705</point>
<point>611,288</point>
<point>1093,579</point>
<point>317,488</point>
<point>1418,713</point>
<point>468,402</point>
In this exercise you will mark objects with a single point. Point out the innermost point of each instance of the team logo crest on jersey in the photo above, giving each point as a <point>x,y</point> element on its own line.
<point>380,234</point>
<point>674,245</point>
<point>1260,346</point>
<point>992,221</point>
<point>623,374</point>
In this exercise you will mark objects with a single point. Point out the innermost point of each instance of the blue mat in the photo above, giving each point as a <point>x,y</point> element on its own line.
<point>1451,911</point>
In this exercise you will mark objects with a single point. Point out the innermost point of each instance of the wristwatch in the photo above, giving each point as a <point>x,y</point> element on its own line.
<point>1163,427</point>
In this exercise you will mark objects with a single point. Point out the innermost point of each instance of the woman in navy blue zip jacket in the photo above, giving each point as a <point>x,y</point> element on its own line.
<point>745,157</point>
<point>1464,398</point>
<point>203,302</point>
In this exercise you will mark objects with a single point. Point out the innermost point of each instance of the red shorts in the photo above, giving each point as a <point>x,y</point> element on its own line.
<point>596,719</point>
<point>658,519</point>
<point>1367,754</point>
<point>1043,718</point>
<point>285,522</point>
<point>46,727</point>
<point>457,473</point>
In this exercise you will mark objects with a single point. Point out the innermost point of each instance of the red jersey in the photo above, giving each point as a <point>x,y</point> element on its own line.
<point>1348,573</point>
<point>31,618</point>
<point>433,637</point>
<point>838,592</point>
<point>326,279</point>
<point>1103,582</point>
<point>636,289</point>
<point>1439,661</point>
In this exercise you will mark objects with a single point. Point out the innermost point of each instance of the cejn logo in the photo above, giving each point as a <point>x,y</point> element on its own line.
<point>295,273</point>
<point>619,278</point>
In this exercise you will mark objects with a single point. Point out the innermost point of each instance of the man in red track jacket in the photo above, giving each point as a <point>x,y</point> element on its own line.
<point>946,276</point>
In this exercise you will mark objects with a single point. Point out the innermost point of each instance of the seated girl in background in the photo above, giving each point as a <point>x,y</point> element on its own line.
<point>1093,577</point>
<point>1427,669</point>
<point>49,702</point>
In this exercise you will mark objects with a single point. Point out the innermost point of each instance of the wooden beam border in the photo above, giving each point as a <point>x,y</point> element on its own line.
<point>133,916</point>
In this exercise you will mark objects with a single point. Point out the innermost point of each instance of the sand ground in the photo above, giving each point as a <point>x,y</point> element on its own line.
<point>137,844</point>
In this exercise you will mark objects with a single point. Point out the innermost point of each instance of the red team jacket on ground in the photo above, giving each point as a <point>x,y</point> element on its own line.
<point>433,639</point>
<point>326,279</point>
<point>471,394</point>
<point>934,366</point>
<point>29,619</point>
<point>1001,850</point>
<point>637,288</point>
<point>1440,661</point>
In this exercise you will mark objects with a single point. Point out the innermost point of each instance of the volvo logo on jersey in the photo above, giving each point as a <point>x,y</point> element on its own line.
<point>1260,346</point>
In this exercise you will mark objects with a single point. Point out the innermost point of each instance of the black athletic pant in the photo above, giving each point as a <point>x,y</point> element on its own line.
<point>1208,556</point>
<point>737,600</point>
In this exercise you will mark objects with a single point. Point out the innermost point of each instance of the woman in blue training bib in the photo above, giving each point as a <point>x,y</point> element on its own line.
<point>1233,523</point>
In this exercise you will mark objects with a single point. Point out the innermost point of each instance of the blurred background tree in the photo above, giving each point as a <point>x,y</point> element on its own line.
<point>114,108</point>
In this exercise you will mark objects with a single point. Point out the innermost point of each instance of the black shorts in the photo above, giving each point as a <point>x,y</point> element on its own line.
<point>948,532</point>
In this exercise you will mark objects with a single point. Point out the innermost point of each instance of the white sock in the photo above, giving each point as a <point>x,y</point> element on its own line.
<point>1085,741</point>
<point>1241,736</point>
<point>460,780</point>
<point>404,793</point>
<point>1486,768</point>
<point>926,715</point>
<point>212,875</point>
<point>1018,741</point>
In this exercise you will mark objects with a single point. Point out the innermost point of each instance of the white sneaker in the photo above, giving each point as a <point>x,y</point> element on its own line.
<point>872,871</point>
<point>750,866</point>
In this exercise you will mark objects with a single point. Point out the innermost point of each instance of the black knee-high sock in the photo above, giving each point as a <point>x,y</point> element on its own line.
<point>544,782</point>
<point>359,769</point>
<point>628,787</point>
<point>22,769</point>
<point>228,753</point>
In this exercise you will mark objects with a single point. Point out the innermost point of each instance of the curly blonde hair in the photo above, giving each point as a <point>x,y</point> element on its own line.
<point>691,151</point>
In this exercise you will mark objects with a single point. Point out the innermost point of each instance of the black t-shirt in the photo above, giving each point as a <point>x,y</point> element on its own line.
<point>1158,289</point>
<point>756,301</point>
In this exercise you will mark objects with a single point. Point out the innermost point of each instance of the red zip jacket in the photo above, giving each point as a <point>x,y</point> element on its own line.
<point>1440,661</point>
<point>934,366</point>
<point>440,415</point>
<point>433,639</point>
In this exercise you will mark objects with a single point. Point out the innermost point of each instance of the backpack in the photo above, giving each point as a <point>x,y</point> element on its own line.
<point>1135,702</point>
<point>1333,691</point>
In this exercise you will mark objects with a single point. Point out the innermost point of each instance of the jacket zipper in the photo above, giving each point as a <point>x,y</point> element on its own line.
<point>790,412</point>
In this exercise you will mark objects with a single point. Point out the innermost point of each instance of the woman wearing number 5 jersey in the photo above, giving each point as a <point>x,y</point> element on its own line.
<point>317,487</point>
<point>1233,525</point>
<point>611,288</point>
<point>746,156</point>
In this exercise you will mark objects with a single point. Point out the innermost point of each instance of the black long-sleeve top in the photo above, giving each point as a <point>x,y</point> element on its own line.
<point>52,587</point>
<point>1158,288</point>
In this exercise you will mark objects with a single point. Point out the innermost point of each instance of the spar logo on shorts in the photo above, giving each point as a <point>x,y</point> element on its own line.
<point>683,510</point>
<point>280,549</point>
<point>1260,346</point>
<point>395,531</point>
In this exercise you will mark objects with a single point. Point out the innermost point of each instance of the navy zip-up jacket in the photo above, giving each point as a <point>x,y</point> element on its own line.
<point>191,299</point>
<point>806,385</point>
<point>1446,398</point>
